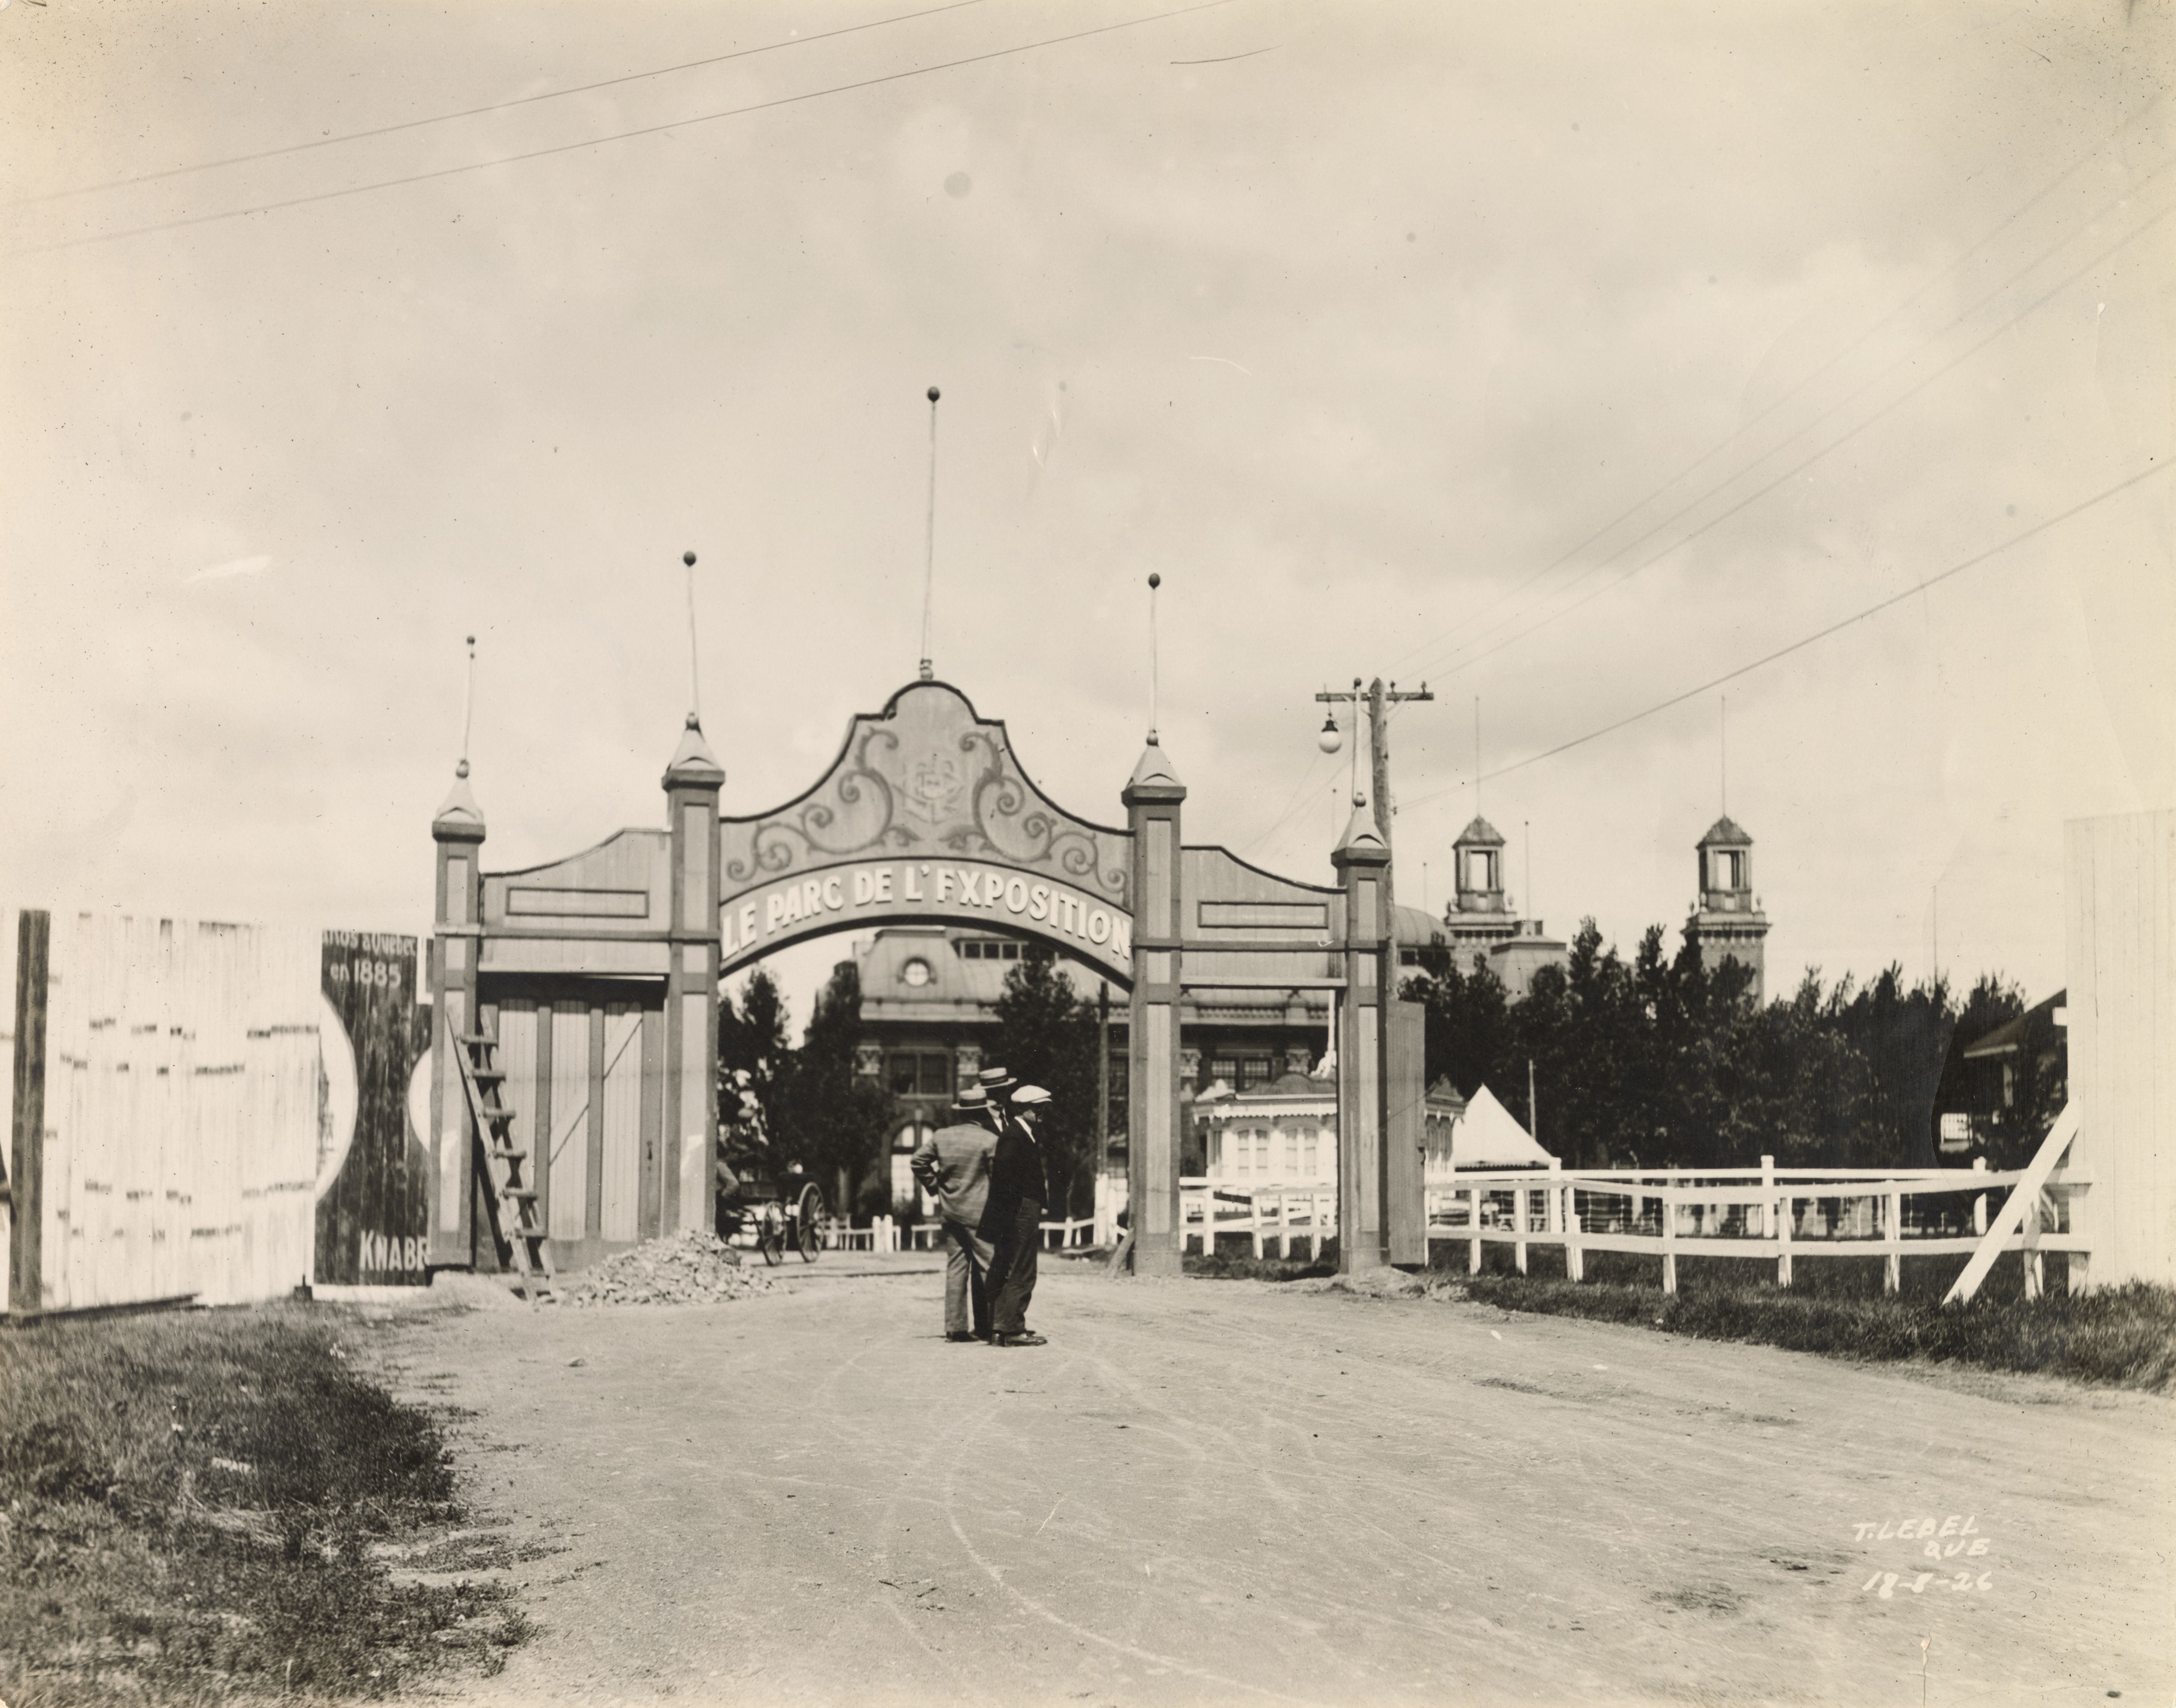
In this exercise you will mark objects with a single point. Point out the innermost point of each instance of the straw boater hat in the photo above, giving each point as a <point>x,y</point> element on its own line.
<point>972,1101</point>
<point>993,1080</point>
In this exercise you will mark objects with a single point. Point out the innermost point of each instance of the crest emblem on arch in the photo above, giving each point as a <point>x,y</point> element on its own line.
<point>934,785</point>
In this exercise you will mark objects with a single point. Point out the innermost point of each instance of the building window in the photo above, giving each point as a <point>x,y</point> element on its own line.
<point>1728,868</point>
<point>1481,868</point>
<point>980,949</point>
<point>919,1073</point>
<point>916,973</point>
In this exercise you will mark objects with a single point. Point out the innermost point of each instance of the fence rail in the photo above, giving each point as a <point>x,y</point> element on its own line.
<point>1764,1215</point>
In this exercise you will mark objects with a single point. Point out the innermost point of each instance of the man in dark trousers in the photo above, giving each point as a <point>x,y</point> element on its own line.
<point>952,1167</point>
<point>1012,1219</point>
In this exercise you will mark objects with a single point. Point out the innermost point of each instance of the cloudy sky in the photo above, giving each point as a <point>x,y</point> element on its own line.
<point>1567,357</point>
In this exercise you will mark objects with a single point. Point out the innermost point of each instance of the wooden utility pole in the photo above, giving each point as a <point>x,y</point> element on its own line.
<point>1379,700</point>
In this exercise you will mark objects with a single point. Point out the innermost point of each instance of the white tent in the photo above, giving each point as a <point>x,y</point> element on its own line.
<point>1488,1136</point>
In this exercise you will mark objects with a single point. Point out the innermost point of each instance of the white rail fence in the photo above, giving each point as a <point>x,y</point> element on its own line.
<point>884,1234</point>
<point>1764,1215</point>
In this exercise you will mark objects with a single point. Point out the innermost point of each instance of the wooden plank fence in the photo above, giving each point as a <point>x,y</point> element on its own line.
<point>165,1110</point>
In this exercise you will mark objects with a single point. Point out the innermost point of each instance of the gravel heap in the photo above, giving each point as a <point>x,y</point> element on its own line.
<point>689,1268</point>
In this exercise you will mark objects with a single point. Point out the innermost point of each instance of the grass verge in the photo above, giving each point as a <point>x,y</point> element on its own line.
<point>2119,1337</point>
<point>195,1507</point>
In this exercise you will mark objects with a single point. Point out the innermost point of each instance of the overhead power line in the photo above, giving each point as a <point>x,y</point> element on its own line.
<point>1741,431</point>
<point>619,136</point>
<point>1804,641</point>
<point>327,142</point>
<point>1808,461</point>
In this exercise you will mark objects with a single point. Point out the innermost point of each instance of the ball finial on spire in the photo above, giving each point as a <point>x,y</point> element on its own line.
<point>689,559</point>
<point>1155,580</point>
<point>932,393</point>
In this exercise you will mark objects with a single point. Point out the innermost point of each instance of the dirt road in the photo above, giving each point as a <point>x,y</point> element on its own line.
<point>1223,1492</point>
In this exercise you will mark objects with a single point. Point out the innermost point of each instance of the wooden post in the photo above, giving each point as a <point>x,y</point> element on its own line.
<point>1155,1103</point>
<point>1368,962</point>
<point>2035,1277</point>
<point>1519,1209</point>
<point>457,943</point>
<point>1781,1215</point>
<point>1106,1228</point>
<point>690,1063</point>
<point>27,1163</point>
<point>1669,1203</point>
<point>1473,1229</point>
<point>1979,1204</point>
<point>1575,1248</point>
<point>1892,1261</point>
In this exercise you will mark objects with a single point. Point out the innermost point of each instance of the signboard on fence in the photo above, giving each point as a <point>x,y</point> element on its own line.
<point>372,1227</point>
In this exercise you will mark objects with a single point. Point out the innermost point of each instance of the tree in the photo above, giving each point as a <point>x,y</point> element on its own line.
<point>1468,1025</point>
<point>753,1059</point>
<point>1047,1036</point>
<point>1664,1063</point>
<point>829,1119</point>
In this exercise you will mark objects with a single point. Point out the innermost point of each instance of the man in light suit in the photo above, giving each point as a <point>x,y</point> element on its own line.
<point>952,1165</point>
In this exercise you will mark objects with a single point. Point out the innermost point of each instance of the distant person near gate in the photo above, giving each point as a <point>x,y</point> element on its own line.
<point>1012,1219</point>
<point>952,1165</point>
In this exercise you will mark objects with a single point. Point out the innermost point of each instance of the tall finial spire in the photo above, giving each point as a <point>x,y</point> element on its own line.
<point>695,669</point>
<point>468,711</point>
<point>1476,756</point>
<point>1154,582</point>
<point>1722,758</point>
<point>929,545</point>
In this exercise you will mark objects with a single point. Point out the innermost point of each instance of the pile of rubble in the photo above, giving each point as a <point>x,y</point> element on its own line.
<point>690,1268</point>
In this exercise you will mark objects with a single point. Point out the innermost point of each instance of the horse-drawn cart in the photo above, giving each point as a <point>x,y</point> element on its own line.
<point>771,1213</point>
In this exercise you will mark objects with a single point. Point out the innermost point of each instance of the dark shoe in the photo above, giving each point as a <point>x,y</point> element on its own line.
<point>1026,1338</point>
<point>960,1334</point>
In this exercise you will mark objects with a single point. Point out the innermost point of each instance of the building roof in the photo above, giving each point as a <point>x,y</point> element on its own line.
<point>1415,929</point>
<point>2009,1035</point>
<point>1723,834</point>
<point>1480,834</point>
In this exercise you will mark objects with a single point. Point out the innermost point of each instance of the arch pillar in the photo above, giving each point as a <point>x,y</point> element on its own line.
<point>690,1127</point>
<point>456,946</point>
<point>1363,865</point>
<point>1154,1108</point>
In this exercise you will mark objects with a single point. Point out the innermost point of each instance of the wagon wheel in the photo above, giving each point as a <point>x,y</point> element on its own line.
<point>808,1213</point>
<point>771,1233</point>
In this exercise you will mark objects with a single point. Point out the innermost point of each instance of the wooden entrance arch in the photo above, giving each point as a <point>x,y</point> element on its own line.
<point>599,973</point>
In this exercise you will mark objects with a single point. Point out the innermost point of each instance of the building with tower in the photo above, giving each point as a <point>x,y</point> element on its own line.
<point>1482,921</point>
<point>1728,923</point>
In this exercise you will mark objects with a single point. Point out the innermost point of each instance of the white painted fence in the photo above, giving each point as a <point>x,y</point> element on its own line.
<point>1764,1215</point>
<point>1769,1214</point>
<point>1284,1214</point>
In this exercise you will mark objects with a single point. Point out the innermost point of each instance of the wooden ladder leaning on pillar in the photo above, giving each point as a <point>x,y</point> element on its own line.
<point>523,1245</point>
